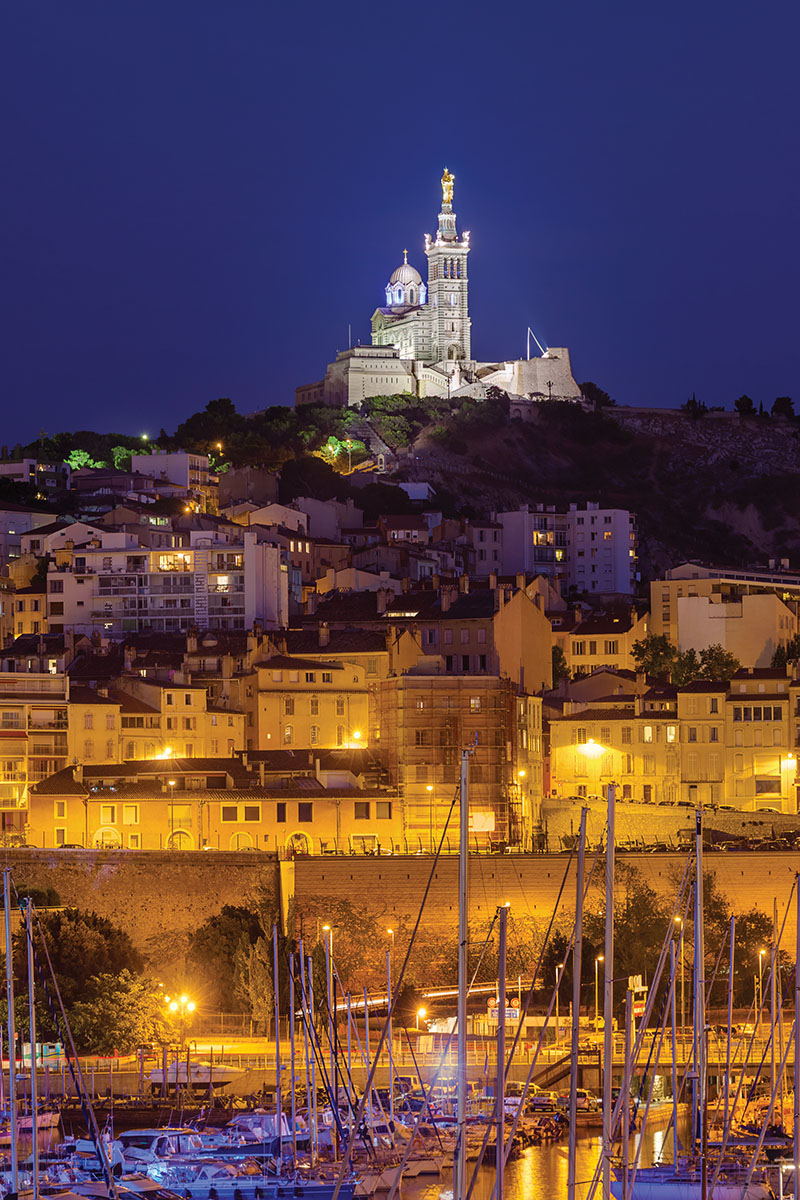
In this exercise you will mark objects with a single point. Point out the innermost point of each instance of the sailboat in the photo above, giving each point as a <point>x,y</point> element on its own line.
<point>688,1179</point>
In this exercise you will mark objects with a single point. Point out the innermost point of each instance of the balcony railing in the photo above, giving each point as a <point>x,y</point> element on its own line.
<point>58,723</point>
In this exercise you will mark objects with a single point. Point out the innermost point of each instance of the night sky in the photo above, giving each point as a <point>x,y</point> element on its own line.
<point>199,197</point>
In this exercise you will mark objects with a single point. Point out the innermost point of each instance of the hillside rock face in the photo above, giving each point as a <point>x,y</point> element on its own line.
<point>720,488</point>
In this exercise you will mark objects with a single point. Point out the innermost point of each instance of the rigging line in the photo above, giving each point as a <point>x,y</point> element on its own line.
<point>447,1045</point>
<point>662,1029</point>
<point>393,1004</point>
<point>80,1085</point>
<point>569,949</point>
<point>727,1132</point>
<point>319,1057</point>
<point>616,1115</point>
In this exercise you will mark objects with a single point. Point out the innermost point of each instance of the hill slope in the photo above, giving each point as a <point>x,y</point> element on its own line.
<point>722,489</point>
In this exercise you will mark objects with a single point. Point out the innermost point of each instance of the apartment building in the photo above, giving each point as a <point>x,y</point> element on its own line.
<point>589,549</point>
<point>496,630</point>
<point>115,582</point>
<point>707,743</point>
<point>30,611</point>
<point>749,614</point>
<point>15,520</point>
<point>422,721</point>
<point>33,739</point>
<point>291,701</point>
<point>602,640</point>
<point>216,804</point>
<point>188,471</point>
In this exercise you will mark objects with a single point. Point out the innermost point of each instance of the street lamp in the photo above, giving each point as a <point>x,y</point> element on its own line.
<point>595,751</point>
<point>600,958</point>
<point>182,1008</point>
<point>429,790</point>
<point>421,1012</point>
<point>559,973</point>
<point>171,783</point>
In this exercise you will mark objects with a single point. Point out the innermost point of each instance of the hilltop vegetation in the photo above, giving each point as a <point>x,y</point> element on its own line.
<point>721,487</point>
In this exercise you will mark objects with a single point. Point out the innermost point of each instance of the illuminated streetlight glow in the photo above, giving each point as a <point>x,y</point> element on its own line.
<point>421,1015</point>
<point>592,749</point>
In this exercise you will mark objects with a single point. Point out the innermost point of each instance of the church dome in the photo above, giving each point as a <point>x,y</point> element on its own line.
<point>405,273</point>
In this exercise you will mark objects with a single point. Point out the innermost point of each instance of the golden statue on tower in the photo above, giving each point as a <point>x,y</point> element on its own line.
<point>447,187</point>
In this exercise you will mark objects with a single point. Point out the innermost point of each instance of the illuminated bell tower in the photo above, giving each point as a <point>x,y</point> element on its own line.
<point>448,309</point>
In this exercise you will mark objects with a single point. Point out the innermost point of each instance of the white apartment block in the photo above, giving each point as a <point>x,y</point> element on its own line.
<point>589,548</point>
<point>189,471</point>
<point>114,584</point>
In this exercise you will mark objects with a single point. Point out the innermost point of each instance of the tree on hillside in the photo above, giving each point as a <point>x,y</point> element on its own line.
<point>118,1013</point>
<point>783,407</point>
<point>560,667</point>
<point>694,409</point>
<point>218,420</point>
<point>788,653</point>
<point>745,407</point>
<point>80,944</point>
<point>657,657</point>
<point>213,950</point>
<point>641,922</point>
<point>716,663</point>
<point>82,458</point>
<point>596,396</point>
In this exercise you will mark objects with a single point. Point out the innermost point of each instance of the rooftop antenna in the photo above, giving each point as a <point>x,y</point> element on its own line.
<point>531,334</point>
<point>349,336</point>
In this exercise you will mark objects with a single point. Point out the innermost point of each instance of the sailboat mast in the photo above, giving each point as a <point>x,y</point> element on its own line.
<point>577,958</point>
<point>730,1021</point>
<point>699,1084</point>
<point>608,995</point>
<point>278,1107</point>
<point>32,1022</point>
<point>500,1097</point>
<point>291,1057</point>
<point>460,1173</point>
<point>797,1040</point>
<point>672,969</point>
<point>12,1034</point>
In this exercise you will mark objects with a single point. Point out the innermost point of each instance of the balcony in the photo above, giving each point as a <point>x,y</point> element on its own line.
<point>35,726</point>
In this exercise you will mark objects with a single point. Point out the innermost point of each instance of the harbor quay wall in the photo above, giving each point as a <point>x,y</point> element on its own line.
<point>157,897</point>
<point>392,888</point>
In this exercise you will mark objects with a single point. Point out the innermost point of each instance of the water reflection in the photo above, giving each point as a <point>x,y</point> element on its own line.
<point>541,1171</point>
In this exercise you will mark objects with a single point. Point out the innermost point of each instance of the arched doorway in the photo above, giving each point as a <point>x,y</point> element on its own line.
<point>241,841</point>
<point>179,840</point>
<point>107,839</point>
<point>298,843</point>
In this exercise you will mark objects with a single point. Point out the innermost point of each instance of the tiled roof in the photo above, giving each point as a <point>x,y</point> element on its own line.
<point>341,641</point>
<point>601,714</point>
<point>89,665</point>
<point>287,662</point>
<point>706,685</point>
<point>87,695</point>
<point>130,704</point>
<point>759,673</point>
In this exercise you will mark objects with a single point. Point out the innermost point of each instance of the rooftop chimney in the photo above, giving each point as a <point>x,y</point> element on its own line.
<point>324,633</point>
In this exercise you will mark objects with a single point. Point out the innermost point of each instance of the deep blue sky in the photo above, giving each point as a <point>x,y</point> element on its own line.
<point>198,197</point>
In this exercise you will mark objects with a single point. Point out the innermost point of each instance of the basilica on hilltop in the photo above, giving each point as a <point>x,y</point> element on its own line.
<point>422,337</point>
